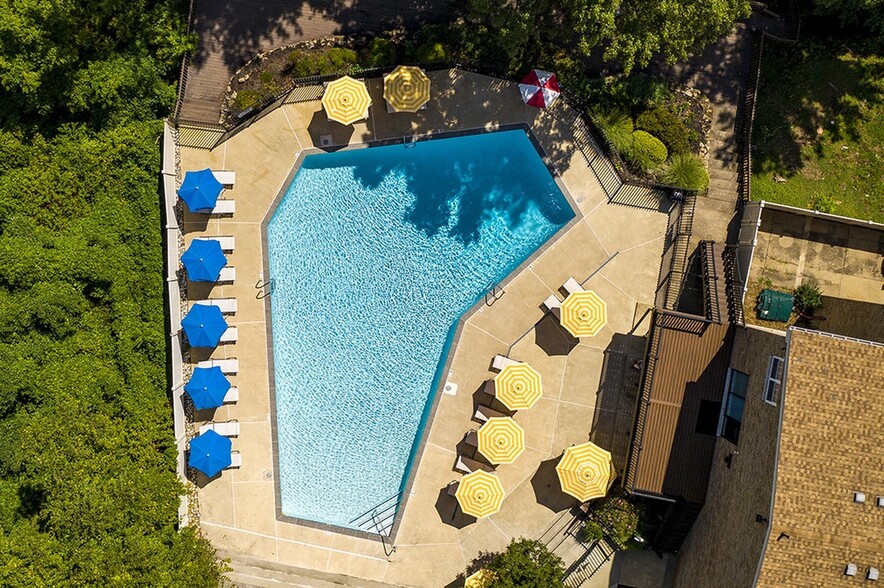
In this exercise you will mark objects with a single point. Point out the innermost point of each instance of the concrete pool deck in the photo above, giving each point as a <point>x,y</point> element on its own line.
<point>619,247</point>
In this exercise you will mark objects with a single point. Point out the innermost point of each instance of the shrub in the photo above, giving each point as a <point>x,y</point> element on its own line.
<point>685,170</point>
<point>807,297</point>
<point>381,53</point>
<point>617,125</point>
<point>647,151</point>
<point>246,98</point>
<point>644,90</point>
<point>429,52</point>
<point>318,63</point>
<point>266,77</point>
<point>823,203</point>
<point>666,126</point>
<point>526,563</point>
<point>614,517</point>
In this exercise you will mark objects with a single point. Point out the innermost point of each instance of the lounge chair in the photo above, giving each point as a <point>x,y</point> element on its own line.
<point>227,207</point>
<point>227,178</point>
<point>471,438</point>
<point>501,361</point>
<point>226,305</point>
<point>226,429</point>
<point>228,275</point>
<point>483,413</point>
<point>490,388</point>
<point>227,242</point>
<point>467,466</point>
<point>232,395</point>
<point>571,286</point>
<point>452,488</point>
<point>235,460</point>
<point>228,366</point>
<point>554,305</point>
<point>229,336</point>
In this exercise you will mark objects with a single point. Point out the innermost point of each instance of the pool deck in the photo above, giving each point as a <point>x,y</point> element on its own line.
<point>619,247</point>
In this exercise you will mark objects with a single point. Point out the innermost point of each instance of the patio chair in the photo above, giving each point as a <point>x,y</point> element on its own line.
<point>235,460</point>
<point>229,336</point>
<point>452,487</point>
<point>490,388</point>
<point>471,438</point>
<point>227,178</point>
<point>227,276</point>
<point>226,429</point>
<point>227,242</point>
<point>467,466</point>
<point>232,395</point>
<point>553,305</point>
<point>571,286</point>
<point>225,207</point>
<point>501,361</point>
<point>483,413</point>
<point>226,305</point>
<point>228,366</point>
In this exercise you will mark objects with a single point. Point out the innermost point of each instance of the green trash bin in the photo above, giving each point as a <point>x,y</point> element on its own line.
<point>775,306</point>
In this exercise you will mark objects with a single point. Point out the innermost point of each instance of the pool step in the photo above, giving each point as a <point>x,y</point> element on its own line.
<point>379,520</point>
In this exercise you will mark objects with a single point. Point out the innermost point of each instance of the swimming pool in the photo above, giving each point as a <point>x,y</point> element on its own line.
<point>375,254</point>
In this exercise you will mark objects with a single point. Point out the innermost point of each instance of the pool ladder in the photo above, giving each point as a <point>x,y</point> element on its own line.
<point>380,520</point>
<point>493,293</point>
<point>409,140</point>
<point>264,289</point>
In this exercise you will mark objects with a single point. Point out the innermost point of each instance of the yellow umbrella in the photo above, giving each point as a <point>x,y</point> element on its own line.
<point>501,440</point>
<point>584,313</point>
<point>479,494</point>
<point>346,100</point>
<point>480,579</point>
<point>585,471</point>
<point>518,386</point>
<point>406,88</point>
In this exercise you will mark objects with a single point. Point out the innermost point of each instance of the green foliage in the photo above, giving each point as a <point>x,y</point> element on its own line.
<point>647,151</point>
<point>666,126</point>
<point>685,170</point>
<point>614,517</point>
<point>381,53</point>
<point>807,296</point>
<point>526,563</point>
<point>328,61</point>
<point>823,203</point>
<point>868,14</point>
<point>88,489</point>
<point>430,52</point>
<point>617,126</point>
<point>266,77</point>
<point>247,98</point>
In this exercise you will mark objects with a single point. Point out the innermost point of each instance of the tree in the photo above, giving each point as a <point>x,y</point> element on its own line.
<point>526,563</point>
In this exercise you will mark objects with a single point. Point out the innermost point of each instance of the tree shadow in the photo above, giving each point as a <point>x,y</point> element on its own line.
<point>548,490</point>
<point>450,512</point>
<point>552,337</point>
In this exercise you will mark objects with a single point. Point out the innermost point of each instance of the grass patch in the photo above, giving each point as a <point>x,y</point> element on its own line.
<point>818,139</point>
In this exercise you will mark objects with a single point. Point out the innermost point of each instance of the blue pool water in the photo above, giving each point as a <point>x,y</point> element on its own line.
<point>375,253</point>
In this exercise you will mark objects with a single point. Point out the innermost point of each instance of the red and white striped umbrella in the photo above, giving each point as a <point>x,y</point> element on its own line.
<point>539,88</point>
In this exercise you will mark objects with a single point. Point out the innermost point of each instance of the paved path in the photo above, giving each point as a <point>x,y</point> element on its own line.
<point>233,31</point>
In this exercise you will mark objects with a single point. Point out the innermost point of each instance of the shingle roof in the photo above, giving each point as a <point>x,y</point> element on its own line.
<point>831,444</point>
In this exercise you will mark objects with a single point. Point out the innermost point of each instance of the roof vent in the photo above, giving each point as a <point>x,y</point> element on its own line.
<point>881,502</point>
<point>850,570</point>
<point>859,497</point>
<point>872,574</point>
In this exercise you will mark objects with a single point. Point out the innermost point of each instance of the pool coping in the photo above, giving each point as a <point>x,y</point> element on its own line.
<point>436,392</point>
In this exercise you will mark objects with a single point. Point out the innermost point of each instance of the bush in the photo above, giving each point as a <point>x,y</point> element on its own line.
<point>666,126</point>
<point>807,297</point>
<point>823,203</point>
<point>647,151</point>
<point>381,53</point>
<point>617,125</point>
<point>320,63</point>
<point>246,98</point>
<point>685,170</point>
<point>644,90</point>
<point>430,52</point>
<point>266,77</point>
<point>614,517</point>
<point>526,563</point>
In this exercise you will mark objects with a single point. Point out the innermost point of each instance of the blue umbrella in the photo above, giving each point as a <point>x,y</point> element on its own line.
<point>209,453</point>
<point>204,325</point>
<point>200,190</point>
<point>203,260</point>
<point>207,387</point>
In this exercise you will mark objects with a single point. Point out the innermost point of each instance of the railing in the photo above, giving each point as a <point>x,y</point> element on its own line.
<point>185,66</point>
<point>681,241</point>
<point>641,408</point>
<point>589,563</point>
<point>380,518</point>
<point>712,287</point>
<point>734,285</point>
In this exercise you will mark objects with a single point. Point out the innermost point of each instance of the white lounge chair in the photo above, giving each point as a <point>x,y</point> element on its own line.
<point>227,242</point>
<point>228,275</point>
<point>227,305</point>
<point>553,304</point>
<point>229,336</point>
<point>235,460</point>
<point>501,361</point>
<point>466,465</point>
<point>228,366</point>
<point>224,207</point>
<point>572,286</point>
<point>483,413</point>
<point>226,177</point>
<point>225,429</point>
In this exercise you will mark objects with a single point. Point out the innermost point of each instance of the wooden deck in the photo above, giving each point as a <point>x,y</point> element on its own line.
<point>231,32</point>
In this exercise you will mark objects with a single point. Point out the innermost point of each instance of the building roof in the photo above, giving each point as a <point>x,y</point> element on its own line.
<point>831,445</point>
<point>687,365</point>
